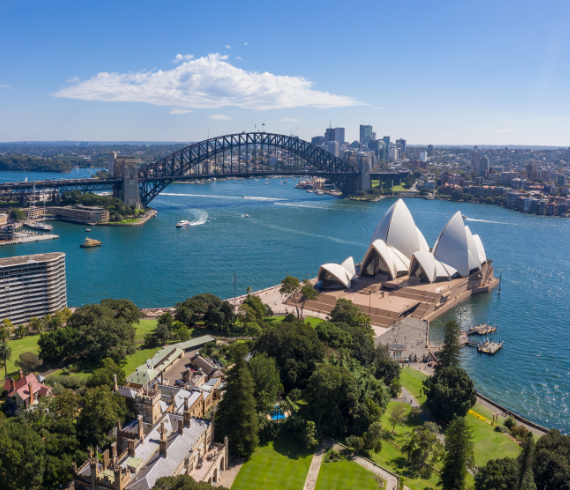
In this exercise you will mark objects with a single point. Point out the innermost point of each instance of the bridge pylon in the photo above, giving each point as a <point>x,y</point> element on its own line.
<point>127,170</point>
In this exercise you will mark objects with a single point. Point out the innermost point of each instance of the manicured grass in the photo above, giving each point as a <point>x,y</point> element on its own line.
<point>310,319</point>
<point>144,327</point>
<point>490,444</point>
<point>408,424</point>
<point>138,358</point>
<point>398,188</point>
<point>345,474</point>
<point>280,465</point>
<point>412,380</point>
<point>18,346</point>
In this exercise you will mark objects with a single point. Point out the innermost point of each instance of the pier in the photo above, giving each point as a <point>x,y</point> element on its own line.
<point>483,329</point>
<point>487,347</point>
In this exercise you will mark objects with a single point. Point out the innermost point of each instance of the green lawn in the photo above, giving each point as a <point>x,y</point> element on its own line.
<point>138,358</point>
<point>398,188</point>
<point>143,328</point>
<point>310,319</point>
<point>18,346</point>
<point>343,475</point>
<point>412,381</point>
<point>280,465</point>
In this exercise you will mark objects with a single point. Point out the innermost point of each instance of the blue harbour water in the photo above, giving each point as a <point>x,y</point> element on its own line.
<point>292,232</point>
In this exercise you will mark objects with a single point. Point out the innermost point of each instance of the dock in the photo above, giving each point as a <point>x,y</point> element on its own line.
<point>488,347</point>
<point>483,329</point>
<point>28,239</point>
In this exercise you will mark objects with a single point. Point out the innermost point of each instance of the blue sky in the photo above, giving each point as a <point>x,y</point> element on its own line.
<point>442,72</point>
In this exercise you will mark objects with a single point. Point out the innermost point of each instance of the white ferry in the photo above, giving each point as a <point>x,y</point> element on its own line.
<point>182,224</point>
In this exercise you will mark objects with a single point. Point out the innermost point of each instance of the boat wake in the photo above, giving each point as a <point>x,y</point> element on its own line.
<point>252,198</point>
<point>201,217</point>
<point>486,221</point>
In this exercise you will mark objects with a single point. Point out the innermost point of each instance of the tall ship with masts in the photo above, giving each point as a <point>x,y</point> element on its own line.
<point>32,214</point>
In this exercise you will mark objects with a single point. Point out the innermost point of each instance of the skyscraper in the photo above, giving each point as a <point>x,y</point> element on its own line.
<point>317,140</point>
<point>532,171</point>
<point>365,133</point>
<point>430,150</point>
<point>401,145</point>
<point>339,135</point>
<point>332,147</point>
<point>329,135</point>
<point>475,158</point>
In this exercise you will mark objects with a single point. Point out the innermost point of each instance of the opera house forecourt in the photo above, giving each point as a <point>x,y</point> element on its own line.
<point>401,276</point>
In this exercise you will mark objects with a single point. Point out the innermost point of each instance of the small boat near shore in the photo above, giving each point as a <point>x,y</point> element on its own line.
<point>183,223</point>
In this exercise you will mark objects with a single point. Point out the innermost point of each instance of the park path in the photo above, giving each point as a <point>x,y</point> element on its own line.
<point>406,397</point>
<point>313,475</point>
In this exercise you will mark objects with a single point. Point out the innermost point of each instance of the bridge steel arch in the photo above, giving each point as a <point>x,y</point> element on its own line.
<point>154,177</point>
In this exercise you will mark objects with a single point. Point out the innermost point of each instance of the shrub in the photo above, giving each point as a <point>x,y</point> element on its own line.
<point>501,429</point>
<point>510,423</point>
<point>332,456</point>
<point>29,361</point>
<point>519,432</point>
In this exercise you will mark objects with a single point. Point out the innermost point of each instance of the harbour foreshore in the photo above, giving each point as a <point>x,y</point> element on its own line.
<point>30,239</point>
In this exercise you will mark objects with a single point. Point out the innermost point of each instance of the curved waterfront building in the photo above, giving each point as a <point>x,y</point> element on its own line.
<point>337,276</point>
<point>393,244</point>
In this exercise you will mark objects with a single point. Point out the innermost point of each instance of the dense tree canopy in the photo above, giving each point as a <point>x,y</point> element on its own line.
<point>93,332</point>
<point>552,461</point>
<point>183,482</point>
<point>497,474</point>
<point>459,456</point>
<point>344,311</point>
<point>104,375</point>
<point>208,307</point>
<point>333,396</point>
<point>266,380</point>
<point>450,354</point>
<point>296,349</point>
<point>100,412</point>
<point>333,336</point>
<point>450,393</point>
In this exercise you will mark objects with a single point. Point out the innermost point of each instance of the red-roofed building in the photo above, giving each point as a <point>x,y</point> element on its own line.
<point>25,391</point>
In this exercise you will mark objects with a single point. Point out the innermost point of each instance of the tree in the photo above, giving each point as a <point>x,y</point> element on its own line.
<point>497,474</point>
<point>396,415</point>
<point>422,447</point>
<point>344,311</point>
<point>362,344</point>
<point>266,380</point>
<point>525,460</point>
<point>308,292</point>
<point>290,287</point>
<point>100,412</point>
<point>29,361</point>
<point>5,354</point>
<point>373,437</point>
<point>183,482</point>
<point>333,336</point>
<point>459,455</point>
<point>193,309</point>
<point>54,346</point>
<point>66,404</point>
<point>21,331</point>
<point>36,324</point>
<point>165,319</point>
<point>17,214</point>
<point>450,393</point>
<point>236,417</point>
<point>22,458</point>
<point>55,322</point>
<point>162,333</point>
<point>123,308</point>
<point>183,333</point>
<point>450,354</point>
<point>4,334</point>
<point>552,461</point>
<point>47,320</point>
<point>246,314</point>
<point>104,375</point>
<point>256,305</point>
<point>333,396</point>
<point>296,349</point>
<point>389,371</point>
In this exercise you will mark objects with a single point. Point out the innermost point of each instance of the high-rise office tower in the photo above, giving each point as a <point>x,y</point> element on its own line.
<point>365,133</point>
<point>430,150</point>
<point>475,158</point>
<point>532,171</point>
<point>373,135</point>
<point>339,136</point>
<point>377,146</point>
<point>401,145</point>
<point>483,164</point>
<point>317,140</point>
<point>329,135</point>
<point>332,147</point>
<point>423,155</point>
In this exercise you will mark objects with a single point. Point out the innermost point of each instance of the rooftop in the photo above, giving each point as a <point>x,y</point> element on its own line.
<point>30,259</point>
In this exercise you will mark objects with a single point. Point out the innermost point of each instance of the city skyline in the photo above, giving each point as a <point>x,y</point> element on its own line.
<point>110,73</point>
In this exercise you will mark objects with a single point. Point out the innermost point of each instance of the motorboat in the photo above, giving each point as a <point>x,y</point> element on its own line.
<point>87,229</point>
<point>183,223</point>
<point>464,217</point>
<point>245,216</point>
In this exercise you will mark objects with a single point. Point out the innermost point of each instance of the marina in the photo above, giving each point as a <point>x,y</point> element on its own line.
<point>482,329</point>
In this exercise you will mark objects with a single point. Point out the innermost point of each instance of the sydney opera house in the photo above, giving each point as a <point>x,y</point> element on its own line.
<point>400,275</point>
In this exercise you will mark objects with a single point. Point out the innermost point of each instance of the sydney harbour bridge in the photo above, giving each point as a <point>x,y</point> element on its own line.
<point>235,155</point>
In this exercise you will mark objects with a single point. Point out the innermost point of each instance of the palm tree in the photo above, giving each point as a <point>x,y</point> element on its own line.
<point>4,335</point>
<point>5,353</point>
<point>47,320</point>
<point>22,331</point>
<point>36,324</point>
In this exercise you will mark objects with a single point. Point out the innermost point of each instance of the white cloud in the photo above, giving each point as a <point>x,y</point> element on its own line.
<point>220,117</point>
<point>286,119</point>
<point>73,80</point>
<point>205,83</point>
<point>227,46</point>
<point>179,58</point>
<point>239,58</point>
<point>503,130</point>
<point>178,110</point>
<point>245,44</point>
<point>4,86</point>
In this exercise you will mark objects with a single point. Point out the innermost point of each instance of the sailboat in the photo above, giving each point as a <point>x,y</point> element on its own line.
<point>32,223</point>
